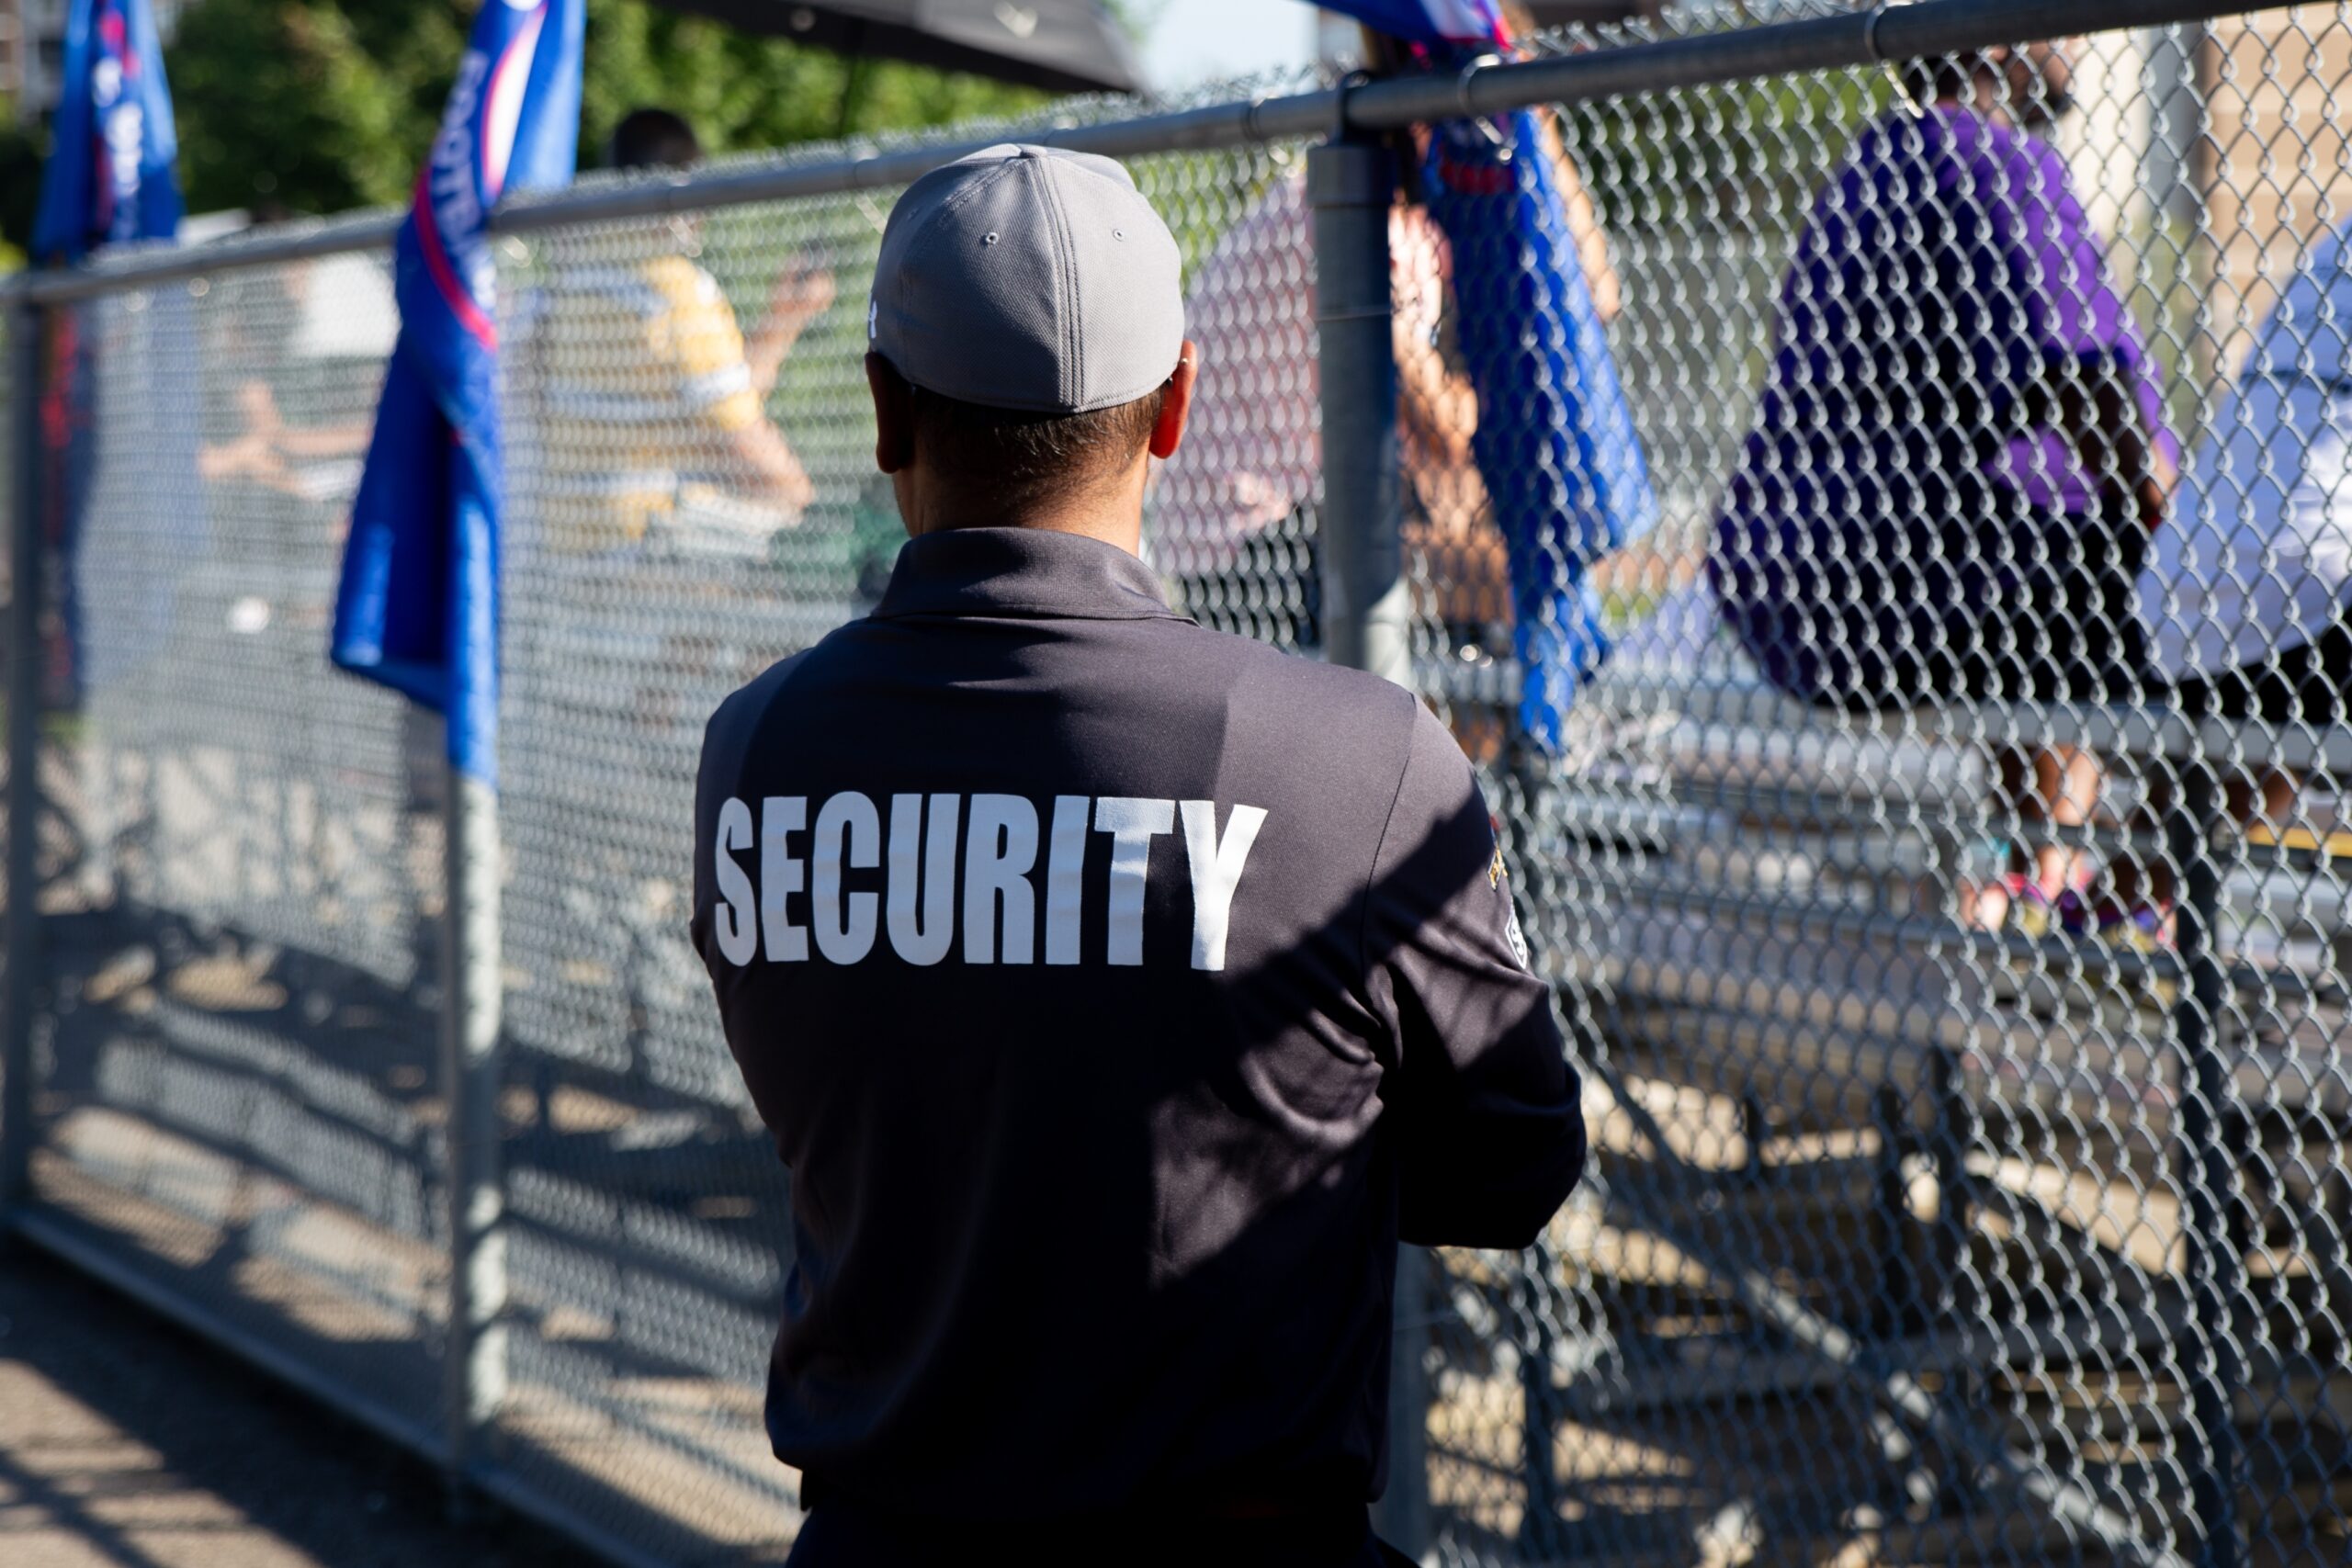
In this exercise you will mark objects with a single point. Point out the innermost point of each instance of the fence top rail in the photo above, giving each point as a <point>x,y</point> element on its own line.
<point>1887,32</point>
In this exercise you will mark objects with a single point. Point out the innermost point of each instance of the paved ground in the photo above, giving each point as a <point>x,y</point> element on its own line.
<point>125,1443</point>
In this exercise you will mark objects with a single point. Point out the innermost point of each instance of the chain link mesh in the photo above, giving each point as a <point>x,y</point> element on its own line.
<point>1961,998</point>
<point>1964,1040</point>
<point>240,878</point>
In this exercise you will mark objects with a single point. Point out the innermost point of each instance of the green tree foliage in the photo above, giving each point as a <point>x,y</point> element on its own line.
<point>1733,156</point>
<point>310,104</point>
<point>743,93</point>
<point>318,106</point>
<point>20,156</point>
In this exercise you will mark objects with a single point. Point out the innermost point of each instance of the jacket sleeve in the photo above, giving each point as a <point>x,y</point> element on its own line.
<point>727,741</point>
<point>710,775</point>
<point>1481,1107</point>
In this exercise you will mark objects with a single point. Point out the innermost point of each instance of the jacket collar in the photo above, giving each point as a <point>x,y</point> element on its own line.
<point>1022,574</point>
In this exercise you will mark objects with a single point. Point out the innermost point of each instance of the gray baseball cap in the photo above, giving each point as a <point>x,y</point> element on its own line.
<point>1031,278</point>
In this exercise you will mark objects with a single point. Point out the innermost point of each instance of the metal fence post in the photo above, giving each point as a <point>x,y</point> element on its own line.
<point>1367,607</point>
<point>16,1003</point>
<point>2215,1269</point>
<point>474,1373</point>
<point>1366,619</point>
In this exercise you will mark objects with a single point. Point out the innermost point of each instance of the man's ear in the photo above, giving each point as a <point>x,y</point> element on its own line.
<point>894,416</point>
<point>1176,406</point>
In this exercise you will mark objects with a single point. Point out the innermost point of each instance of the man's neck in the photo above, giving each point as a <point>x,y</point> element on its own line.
<point>1112,514</point>
<point>1130,538</point>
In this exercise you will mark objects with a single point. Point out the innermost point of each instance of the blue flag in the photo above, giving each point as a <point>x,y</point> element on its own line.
<point>1555,441</point>
<point>110,180</point>
<point>109,177</point>
<point>418,608</point>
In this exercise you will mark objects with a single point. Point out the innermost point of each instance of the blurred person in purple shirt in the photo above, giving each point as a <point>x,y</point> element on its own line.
<point>1960,452</point>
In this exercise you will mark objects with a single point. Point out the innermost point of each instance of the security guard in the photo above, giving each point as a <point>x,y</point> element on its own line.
<point>1119,993</point>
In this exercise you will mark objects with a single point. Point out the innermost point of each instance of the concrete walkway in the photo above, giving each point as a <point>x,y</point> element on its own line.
<point>125,1443</point>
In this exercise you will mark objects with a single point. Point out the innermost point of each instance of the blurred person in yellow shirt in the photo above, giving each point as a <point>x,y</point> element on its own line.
<point>654,397</point>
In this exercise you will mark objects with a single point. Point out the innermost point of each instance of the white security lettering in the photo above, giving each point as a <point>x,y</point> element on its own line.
<point>997,860</point>
<point>1005,849</point>
<point>1066,878</point>
<point>929,859</point>
<point>781,875</point>
<point>736,922</point>
<point>849,833</point>
<point>1216,872</point>
<point>1132,824</point>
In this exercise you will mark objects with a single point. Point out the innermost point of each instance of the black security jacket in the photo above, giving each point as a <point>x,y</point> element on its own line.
<point>1119,992</point>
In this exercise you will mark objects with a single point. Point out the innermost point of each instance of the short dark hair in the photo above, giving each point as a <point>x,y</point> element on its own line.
<point>1017,460</point>
<point>654,138</point>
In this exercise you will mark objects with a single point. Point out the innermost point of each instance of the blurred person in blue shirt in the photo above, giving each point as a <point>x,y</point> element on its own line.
<point>2247,598</point>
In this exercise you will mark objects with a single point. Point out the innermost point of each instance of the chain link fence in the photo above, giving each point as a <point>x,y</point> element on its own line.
<point>239,867</point>
<point>1921,781</point>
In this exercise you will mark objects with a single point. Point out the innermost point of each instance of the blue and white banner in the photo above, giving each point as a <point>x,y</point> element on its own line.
<point>1555,441</point>
<point>109,178</point>
<point>418,606</point>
